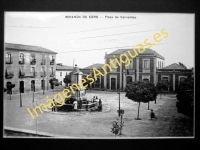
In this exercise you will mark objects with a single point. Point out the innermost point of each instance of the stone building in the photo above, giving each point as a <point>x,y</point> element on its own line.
<point>61,72</point>
<point>174,74</point>
<point>99,83</point>
<point>28,67</point>
<point>143,67</point>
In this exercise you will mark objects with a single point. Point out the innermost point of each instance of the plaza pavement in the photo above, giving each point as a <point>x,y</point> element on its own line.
<point>98,124</point>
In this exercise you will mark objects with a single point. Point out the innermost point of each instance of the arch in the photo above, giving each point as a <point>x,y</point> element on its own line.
<point>146,80</point>
<point>166,79</point>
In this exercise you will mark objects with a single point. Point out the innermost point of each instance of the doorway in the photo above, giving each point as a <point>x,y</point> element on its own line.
<point>113,83</point>
<point>43,84</point>
<point>21,86</point>
<point>128,79</point>
<point>33,85</point>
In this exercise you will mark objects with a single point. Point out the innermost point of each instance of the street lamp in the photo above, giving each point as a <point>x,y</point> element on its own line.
<point>119,102</point>
<point>20,94</point>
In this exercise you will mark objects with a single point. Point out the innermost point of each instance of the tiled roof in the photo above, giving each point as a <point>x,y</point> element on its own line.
<point>147,51</point>
<point>63,67</point>
<point>174,66</point>
<point>98,66</point>
<point>28,48</point>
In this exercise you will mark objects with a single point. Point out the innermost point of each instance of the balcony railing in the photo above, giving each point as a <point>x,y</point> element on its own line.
<point>43,62</point>
<point>52,74</point>
<point>33,62</point>
<point>33,74</point>
<point>21,74</point>
<point>9,60</point>
<point>9,75</point>
<point>21,61</point>
<point>52,62</point>
<point>43,74</point>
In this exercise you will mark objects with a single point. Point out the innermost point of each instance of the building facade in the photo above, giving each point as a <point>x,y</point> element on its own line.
<point>61,72</point>
<point>174,74</point>
<point>143,67</point>
<point>99,83</point>
<point>28,67</point>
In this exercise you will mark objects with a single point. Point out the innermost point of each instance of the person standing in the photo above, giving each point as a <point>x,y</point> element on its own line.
<point>75,105</point>
<point>53,108</point>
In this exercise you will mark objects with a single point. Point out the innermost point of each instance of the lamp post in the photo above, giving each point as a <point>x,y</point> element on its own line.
<point>119,102</point>
<point>20,94</point>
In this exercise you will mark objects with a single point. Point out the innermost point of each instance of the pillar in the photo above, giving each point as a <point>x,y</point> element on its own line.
<point>174,82</point>
<point>137,69</point>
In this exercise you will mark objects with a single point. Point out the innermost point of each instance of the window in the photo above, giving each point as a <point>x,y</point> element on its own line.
<point>21,58</point>
<point>146,64</point>
<point>33,60</point>
<point>146,80</point>
<point>130,66</point>
<point>60,82</point>
<point>61,74</point>
<point>33,71</point>
<point>52,60</point>
<point>43,73</point>
<point>8,58</point>
<point>22,72</point>
<point>51,70</point>
<point>165,79</point>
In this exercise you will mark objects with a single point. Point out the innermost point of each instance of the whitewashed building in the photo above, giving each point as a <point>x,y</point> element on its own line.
<point>61,71</point>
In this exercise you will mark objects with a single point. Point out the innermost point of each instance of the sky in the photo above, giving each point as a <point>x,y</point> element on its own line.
<point>84,40</point>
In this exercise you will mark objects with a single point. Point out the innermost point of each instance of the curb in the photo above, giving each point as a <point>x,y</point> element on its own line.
<point>31,132</point>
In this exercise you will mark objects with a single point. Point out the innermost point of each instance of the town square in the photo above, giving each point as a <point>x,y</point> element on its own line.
<point>98,75</point>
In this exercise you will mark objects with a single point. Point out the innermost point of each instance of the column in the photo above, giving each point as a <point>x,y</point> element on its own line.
<point>124,81</point>
<point>137,69</point>
<point>174,82</point>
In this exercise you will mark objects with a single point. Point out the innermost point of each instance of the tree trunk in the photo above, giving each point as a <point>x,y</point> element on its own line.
<point>138,110</point>
<point>155,101</point>
<point>148,105</point>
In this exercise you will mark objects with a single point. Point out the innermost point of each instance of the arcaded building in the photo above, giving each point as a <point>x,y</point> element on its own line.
<point>28,67</point>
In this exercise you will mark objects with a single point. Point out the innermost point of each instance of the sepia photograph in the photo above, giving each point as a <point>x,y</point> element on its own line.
<point>98,75</point>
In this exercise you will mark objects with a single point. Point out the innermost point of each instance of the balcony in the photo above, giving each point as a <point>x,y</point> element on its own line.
<point>43,74</point>
<point>33,62</point>
<point>9,75</point>
<point>9,60</point>
<point>52,74</point>
<point>33,74</point>
<point>43,62</point>
<point>52,62</point>
<point>21,61</point>
<point>22,74</point>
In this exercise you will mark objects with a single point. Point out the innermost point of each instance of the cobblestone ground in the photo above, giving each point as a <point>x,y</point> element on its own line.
<point>98,124</point>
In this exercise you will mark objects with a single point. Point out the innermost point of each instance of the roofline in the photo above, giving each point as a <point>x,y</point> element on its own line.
<point>7,48</point>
